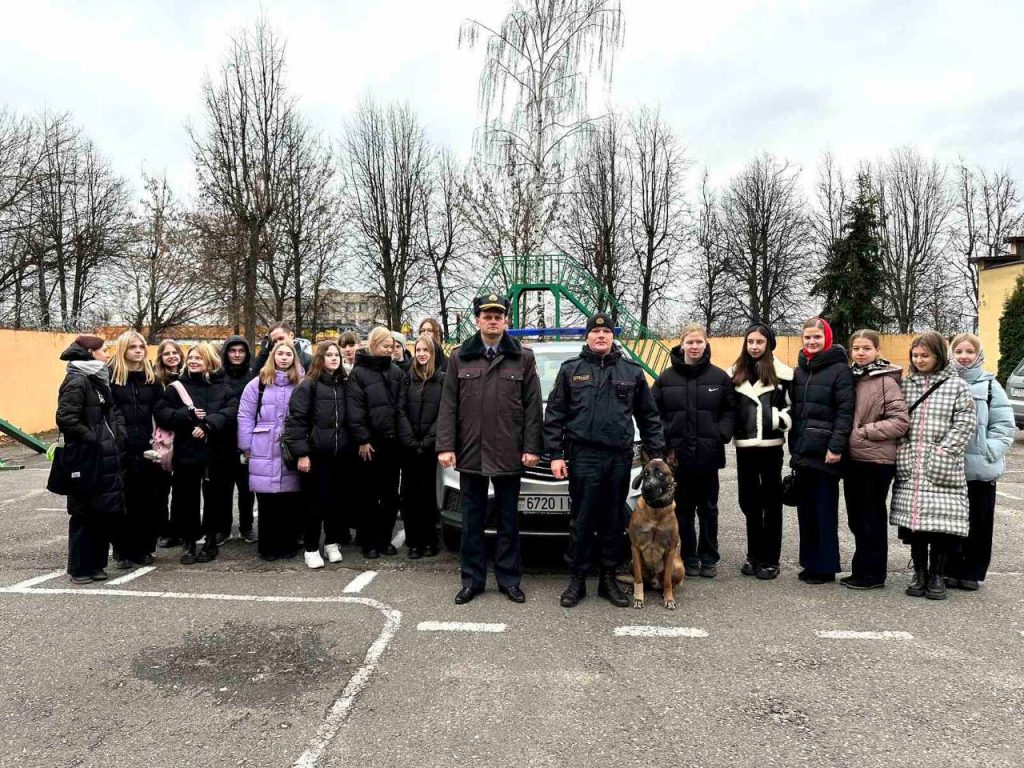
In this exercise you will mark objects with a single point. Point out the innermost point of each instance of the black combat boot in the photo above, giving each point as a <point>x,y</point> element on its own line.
<point>188,554</point>
<point>919,556</point>
<point>936,589</point>
<point>608,588</point>
<point>209,550</point>
<point>576,590</point>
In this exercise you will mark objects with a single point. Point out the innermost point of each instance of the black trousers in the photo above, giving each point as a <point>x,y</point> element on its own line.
<point>866,488</point>
<point>162,499</point>
<point>419,500</point>
<point>380,500</point>
<point>322,489</point>
<point>976,550</point>
<point>508,569</point>
<point>88,543</point>
<point>278,512</point>
<point>598,486</point>
<point>759,474</point>
<point>246,500</point>
<point>190,482</point>
<point>817,511</point>
<point>135,534</point>
<point>697,506</point>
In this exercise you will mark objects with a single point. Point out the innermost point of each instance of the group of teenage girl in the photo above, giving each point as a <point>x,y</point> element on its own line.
<point>936,435</point>
<point>289,430</point>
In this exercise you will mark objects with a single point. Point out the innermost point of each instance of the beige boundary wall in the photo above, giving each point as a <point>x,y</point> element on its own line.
<point>31,370</point>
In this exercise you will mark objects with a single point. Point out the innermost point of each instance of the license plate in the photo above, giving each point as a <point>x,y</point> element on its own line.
<point>1017,392</point>
<point>544,505</point>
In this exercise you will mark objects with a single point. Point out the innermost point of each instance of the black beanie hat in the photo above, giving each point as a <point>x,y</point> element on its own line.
<point>600,320</point>
<point>765,331</point>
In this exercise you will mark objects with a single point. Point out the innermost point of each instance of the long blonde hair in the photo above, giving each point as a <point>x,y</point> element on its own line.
<point>425,372</point>
<point>269,369</point>
<point>162,374</point>
<point>119,365</point>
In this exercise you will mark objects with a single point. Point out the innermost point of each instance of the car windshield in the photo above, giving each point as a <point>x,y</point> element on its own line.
<point>550,358</point>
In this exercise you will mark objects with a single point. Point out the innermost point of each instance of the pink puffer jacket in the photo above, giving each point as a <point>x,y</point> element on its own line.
<point>880,417</point>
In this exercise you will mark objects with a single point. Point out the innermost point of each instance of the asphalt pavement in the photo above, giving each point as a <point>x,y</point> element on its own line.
<point>369,663</point>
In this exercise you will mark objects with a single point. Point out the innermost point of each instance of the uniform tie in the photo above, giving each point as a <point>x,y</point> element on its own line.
<point>491,354</point>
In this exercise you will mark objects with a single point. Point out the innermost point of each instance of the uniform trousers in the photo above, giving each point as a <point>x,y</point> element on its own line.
<point>508,570</point>
<point>598,486</point>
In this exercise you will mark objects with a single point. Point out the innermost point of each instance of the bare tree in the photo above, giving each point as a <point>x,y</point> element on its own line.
<point>444,236</point>
<point>533,92</point>
<point>598,210</point>
<point>223,246</point>
<point>163,279</point>
<point>914,207</point>
<point>386,161</point>
<point>827,215</point>
<point>765,235</point>
<point>19,158</point>
<point>710,290</point>
<point>657,207</point>
<point>240,153</point>
<point>988,209</point>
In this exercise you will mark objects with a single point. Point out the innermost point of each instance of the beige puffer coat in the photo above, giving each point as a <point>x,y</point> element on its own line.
<point>879,418</point>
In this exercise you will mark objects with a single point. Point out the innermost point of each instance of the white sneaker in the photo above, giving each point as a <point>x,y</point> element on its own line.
<point>313,559</point>
<point>333,553</point>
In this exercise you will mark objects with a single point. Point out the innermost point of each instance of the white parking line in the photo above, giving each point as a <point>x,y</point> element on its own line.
<point>399,539</point>
<point>641,630</point>
<point>51,509</point>
<point>1008,496</point>
<point>458,626</point>
<point>36,580</point>
<point>342,706</point>
<point>131,576</point>
<point>359,582</point>
<point>845,634</point>
<point>29,495</point>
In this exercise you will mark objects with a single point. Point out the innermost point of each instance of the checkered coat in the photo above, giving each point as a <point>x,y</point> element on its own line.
<point>930,490</point>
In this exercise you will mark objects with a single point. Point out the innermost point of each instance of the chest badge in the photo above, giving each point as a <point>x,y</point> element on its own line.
<point>581,377</point>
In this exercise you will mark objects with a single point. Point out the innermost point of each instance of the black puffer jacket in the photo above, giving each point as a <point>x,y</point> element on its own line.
<point>374,395</point>
<point>90,422</point>
<point>317,422</point>
<point>215,396</point>
<point>697,404</point>
<point>136,400</point>
<point>237,375</point>
<point>420,405</point>
<point>595,399</point>
<point>822,412</point>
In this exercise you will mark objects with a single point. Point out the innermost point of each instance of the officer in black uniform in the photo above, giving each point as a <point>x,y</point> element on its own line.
<point>589,425</point>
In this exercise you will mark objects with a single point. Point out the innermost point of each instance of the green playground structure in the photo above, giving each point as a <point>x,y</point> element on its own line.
<point>567,280</point>
<point>23,437</point>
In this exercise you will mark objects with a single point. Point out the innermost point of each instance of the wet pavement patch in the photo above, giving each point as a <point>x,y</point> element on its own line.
<point>245,664</point>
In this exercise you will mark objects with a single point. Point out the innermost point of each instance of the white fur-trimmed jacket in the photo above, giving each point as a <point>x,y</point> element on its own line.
<point>762,411</point>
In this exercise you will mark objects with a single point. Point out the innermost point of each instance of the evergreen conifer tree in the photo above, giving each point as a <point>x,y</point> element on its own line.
<point>851,282</point>
<point>1011,331</point>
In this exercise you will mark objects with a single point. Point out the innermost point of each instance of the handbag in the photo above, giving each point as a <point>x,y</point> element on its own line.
<point>163,439</point>
<point>290,461</point>
<point>790,488</point>
<point>74,471</point>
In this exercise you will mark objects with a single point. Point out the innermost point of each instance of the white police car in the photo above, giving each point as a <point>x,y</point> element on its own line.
<point>543,500</point>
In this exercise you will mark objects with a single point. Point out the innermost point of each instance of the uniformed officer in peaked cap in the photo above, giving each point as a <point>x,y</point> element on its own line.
<point>588,432</point>
<point>489,428</point>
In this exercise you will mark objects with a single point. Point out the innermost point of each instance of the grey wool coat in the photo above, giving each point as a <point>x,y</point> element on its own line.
<point>930,490</point>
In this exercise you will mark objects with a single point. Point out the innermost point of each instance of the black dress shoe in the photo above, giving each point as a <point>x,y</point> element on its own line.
<point>415,553</point>
<point>466,594</point>
<point>430,550</point>
<point>147,559</point>
<point>515,594</point>
<point>370,553</point>
<point>390,550</point>
<point>819,578</point>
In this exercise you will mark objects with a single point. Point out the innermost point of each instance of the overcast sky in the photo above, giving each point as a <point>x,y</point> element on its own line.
<point>733,77</point>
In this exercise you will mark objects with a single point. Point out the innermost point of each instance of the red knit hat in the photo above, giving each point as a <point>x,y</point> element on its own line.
<point>88,342</point>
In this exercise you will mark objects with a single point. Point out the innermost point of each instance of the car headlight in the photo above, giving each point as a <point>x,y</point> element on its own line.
<point>637,461</point>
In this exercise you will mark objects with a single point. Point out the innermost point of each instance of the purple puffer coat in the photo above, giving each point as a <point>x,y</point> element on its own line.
<point>261,439</point>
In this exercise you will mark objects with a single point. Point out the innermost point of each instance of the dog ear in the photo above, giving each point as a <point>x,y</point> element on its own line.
<point>645,457</point>
<point>637,480</point>
<point>671,459</point>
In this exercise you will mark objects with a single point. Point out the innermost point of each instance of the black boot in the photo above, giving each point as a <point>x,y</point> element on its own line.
<point>919,555</point>
<point>608,588</point>
<point>188,554</point>
<point>209,550</point>
<point>576,590</point>
<point>936,589</point>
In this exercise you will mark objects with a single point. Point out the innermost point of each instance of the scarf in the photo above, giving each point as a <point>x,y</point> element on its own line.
<point>90,368</point>
<point>867,370</point>
<point>964,372</point>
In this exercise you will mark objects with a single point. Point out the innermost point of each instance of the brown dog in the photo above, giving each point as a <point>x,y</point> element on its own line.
<point>654,534</point>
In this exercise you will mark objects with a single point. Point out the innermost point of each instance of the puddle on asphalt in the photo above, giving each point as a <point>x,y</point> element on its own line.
<point>244,664</point>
